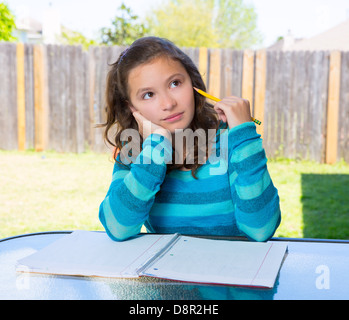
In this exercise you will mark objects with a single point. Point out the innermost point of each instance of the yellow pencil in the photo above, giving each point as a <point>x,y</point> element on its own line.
<point>217,100</point>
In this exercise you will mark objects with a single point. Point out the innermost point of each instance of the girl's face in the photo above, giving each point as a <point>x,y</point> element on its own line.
<point>162,92</point>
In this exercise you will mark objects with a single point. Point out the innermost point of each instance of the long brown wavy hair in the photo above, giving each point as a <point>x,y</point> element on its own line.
<point>119,115</point>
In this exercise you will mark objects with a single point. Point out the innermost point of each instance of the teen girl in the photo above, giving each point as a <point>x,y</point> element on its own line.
<point>150,91</point>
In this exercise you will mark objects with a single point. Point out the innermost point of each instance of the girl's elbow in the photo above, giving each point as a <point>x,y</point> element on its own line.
<point>258,235</point>
<point>261,236</point>
<point>118,232</point>
<point>114,229</point>
<point>119,237</point>
<point>264,233</point>
<point>121,234</point>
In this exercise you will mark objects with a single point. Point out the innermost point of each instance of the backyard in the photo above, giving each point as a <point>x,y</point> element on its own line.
<point>62,191</point>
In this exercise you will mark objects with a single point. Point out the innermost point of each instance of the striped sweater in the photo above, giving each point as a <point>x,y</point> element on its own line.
<point>233,195</point>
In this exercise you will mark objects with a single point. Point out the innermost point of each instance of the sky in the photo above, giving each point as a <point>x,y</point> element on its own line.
<point>303,18</point>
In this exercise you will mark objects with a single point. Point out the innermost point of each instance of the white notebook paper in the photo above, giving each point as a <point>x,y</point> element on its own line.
<point>168,256</point>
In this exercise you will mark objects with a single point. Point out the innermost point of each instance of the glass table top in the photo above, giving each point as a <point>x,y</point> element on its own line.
<point>311,270</point>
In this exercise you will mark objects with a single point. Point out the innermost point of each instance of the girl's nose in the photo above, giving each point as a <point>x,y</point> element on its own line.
<point>167,102</point>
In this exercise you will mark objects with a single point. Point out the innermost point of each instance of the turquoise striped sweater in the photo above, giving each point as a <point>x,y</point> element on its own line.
<point>237,198</point>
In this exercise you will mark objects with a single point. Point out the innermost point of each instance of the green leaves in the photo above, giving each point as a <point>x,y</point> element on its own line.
<point>206,23</point>
<point>189,23</point>
<point>7,23</point>
<point>125,28</point>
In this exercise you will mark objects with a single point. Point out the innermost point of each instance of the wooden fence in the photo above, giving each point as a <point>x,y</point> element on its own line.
<point>51,97</point>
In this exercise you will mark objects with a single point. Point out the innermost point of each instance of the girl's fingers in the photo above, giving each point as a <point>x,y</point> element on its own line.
<point>146,127</point>
<point>132,108</point>
<point>220,113</point>
<point>137,116</point>
<point>233,110</point>
<point>139,119</point>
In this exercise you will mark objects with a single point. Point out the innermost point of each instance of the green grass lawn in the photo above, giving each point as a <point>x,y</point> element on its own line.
<point>314,199</point>
<point>52,191</point>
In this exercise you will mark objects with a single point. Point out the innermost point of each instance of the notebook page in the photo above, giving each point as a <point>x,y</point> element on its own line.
<point>87,253</point>
<point>220,261</point>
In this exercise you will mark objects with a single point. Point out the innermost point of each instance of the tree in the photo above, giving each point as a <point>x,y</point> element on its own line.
<point>206,23</point>
<point>7,23</point>
<point>125,30</point>
<point>236,25</point>
<point>71,37</point>
<point>188,23</point>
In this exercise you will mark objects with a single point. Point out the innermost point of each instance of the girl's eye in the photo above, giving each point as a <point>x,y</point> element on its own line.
<point>148,95</point>
<point>175,83</point>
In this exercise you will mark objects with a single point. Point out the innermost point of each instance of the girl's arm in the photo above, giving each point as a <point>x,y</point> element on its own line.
<point>132,191</point>
<point>256,199</point>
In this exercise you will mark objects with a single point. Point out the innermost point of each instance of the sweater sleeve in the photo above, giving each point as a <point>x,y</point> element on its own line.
<point>133,188</point>
<point>256,199</point>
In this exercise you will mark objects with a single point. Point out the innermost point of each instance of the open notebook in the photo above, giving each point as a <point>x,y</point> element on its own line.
<point>168,256</point>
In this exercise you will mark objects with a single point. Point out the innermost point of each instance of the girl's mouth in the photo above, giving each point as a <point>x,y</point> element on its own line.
<point>174,117</point>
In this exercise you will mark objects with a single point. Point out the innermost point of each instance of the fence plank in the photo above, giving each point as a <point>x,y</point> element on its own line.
<point>29,96</point>
<point>215,73</point>
<point>333,107</point>
<point>286,102</point>
<point>20,97</point>
<point>98,98</point>
<point>57,98</point>
<point>80,101</point>
<point>91,96</point>
<point>237,64</point>
<point>193,54</point>
<point>268,122</point>
<point>40,101</point>
<point>300,98</point>
<point>8,97</point>
<point>290,110</point>
<point>231,77</point>
<point>318,111</point>
<point>248,77</point>
<point>274,106</point>
<point>86,105</point>
<point>343,130</point>
<point>259,100</point>
<point>203,64</point>
<point>227,71</point>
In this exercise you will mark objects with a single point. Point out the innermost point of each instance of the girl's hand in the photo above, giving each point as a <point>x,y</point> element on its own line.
<point>146,127</point>
<point>233,110</point>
